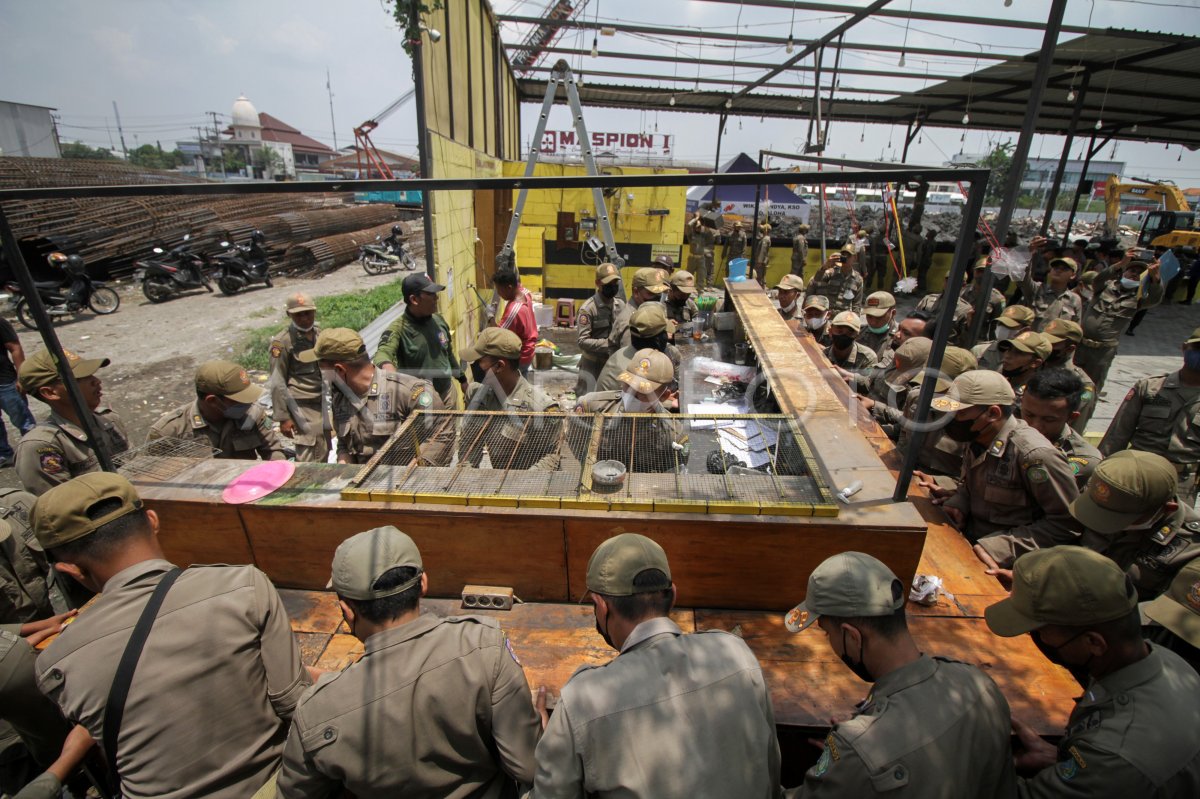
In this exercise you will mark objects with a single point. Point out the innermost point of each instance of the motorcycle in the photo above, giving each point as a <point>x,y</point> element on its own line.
<point>66,298</point>
<point>243,264</point>
<point>172,273</point>
<point>378,258</point>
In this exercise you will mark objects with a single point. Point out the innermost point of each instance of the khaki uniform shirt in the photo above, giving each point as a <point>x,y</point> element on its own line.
<point>1112,307</point>
<point>845,291</point>
<point>1133,733</point>
<point>1159,415</point>
<point>215,687</point>
<point>879,343</point>
<point>364,424</point>
<point>799,254</point>
<point>1081,456</point>
<point>735,245</point>
<point>434,708</point>
<point>619,361</point>
<point>1048,306</point>
<point>995,304</point>
<point>236,439</point>
<point>1152,557</point>
<point>860,357</point>
<point>932,728</point>
<point>988,355</point>
<point>1016,492</point>
<point>27,589</point>
<point>28,717</point>
<point>931,304</point>
<point>56,450</point>
<point>940,455</point>
<point>673,715</point>
<point>661,440</point>
<point>302,381</point>
<point>682,313</point>
<point>525,396</point>
<point>762,250</point>
<point>422,348</point>
<point>601,323</point>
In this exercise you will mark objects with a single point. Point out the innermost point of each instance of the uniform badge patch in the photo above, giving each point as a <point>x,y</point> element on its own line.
<point>443,339</point>
<point>1101,491</point>
<point>508,645</point>
<point>1067,769</point>
<point>276,350</point>
<point>583,320</point>
<point>1038,474</point>
<point>1193,596</point>
<point>823,764</point>
<point>52,462</point>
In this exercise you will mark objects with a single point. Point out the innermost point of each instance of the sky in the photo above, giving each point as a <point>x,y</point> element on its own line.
<point>168,62</point>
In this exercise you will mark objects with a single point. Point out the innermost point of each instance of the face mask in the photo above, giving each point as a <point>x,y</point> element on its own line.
<point>1153,524</point>
<point>961,430</point>
<point>842,341</point>
<point>1057,358</point>
<point>791,306</point>
<point>304,329</point>
<point>603,633</point>
<point>236,411</point>
<point>1191,359</point>
<point>610,289</point>
<point>1003,333</point>
<point>815,324</point>
<point>860,668</point>
<point>879,330</point>
<point>1054,653</point>
<point>1130,284</point>
<point>1011,373</point>
<point>632,404</point>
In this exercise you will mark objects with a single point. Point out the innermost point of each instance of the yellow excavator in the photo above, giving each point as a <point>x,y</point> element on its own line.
<point>1174,226</point>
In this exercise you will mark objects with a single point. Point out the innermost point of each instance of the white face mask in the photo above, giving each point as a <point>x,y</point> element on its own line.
<point>1130,284</point>
<point>304,329</point>
<point>789,307</point>
<point>815,324</point>
<point>632,404</point>
<point>1003,333</point>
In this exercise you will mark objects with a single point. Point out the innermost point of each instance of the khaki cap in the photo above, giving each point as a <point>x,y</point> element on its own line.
<point>685,281</point>
<point>666,262</point>
<point>620,559</point>
<point>1192,339</point>
<point>60,516</point>
<point>847,319</point>
<point>1125,486</point>
<point>226,379</point>
<point>1088,277</point>
<point>39,370</point>
<point>299,302</point>
<point>878,303</point>
<point>649,371</point>
<point>816,301</point>
<point>955,361</point>
<point>1017,316</point>
<point>790,282</point>
<point>849,585</point>
<point>914,353</point>
<point>650,279</point>
<point>981,263</point>
<point>1179,608</point>
<point>607,273</point>
<point>978,387</point>
<point>1034,343</point>
<point>1071,262</point>
<point>363,558</point>
<point>1068,585</point>
<point>5,531</point>
<point>803,228</point>
<point>1065,330</point>
<point>847,249</point>
<point>649,319</point>
<point>494,341</point>
<point>335,344</point>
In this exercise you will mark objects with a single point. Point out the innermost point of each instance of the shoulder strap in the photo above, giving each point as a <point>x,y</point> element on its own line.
<point>114,708</point>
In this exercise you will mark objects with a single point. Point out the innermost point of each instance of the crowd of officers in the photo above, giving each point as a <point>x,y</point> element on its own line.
<point>1094,543</point>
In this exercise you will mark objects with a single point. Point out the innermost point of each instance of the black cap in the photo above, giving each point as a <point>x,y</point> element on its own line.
<point>415,284</point>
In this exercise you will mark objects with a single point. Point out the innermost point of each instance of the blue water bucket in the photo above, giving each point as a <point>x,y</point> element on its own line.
<point>737,269</point>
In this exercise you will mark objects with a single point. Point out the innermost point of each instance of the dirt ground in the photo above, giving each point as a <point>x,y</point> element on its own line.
<point>155,348</point>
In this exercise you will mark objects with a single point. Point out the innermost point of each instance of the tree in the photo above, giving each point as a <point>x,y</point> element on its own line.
<point>268,160</point>
<point>999,160</point>
<point>80,150</point>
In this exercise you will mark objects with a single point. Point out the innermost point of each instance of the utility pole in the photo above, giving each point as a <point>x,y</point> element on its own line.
<point>413,31</point>
<point>332,124</point>
<point>216,132</point>
<point>120,133</point>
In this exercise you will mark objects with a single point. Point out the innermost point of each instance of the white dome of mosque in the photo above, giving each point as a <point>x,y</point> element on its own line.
<point>244,113</point>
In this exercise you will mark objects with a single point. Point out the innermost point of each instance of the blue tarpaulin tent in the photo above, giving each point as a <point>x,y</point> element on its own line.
<point>738,195</point>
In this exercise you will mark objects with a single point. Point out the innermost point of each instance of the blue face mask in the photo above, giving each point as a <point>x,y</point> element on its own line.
<point>1191,359</point>
<point>1130,284</point>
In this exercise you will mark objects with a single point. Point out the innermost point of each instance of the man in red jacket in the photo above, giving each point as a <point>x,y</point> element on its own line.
<point>518,313</point>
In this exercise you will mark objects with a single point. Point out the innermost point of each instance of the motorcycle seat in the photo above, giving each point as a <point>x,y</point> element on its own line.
<point>48,285</point>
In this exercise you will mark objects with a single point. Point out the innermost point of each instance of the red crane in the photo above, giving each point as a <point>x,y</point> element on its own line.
<point>376,166</point>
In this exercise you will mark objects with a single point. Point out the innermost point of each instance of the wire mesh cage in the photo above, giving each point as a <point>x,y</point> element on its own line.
<point>749,464</point>
<point>162,458</point>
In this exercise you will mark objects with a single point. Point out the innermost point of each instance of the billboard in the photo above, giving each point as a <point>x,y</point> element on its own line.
<point>566,142</point>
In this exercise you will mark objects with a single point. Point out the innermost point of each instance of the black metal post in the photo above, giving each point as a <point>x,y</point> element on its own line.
<point>945,321</point>
<point>416,43</point>
<point>757,198</point>
<point>21,270</point>
<point>1020,156</point>
<point>1079,187</point>
<point>1052,200</point>
<point>717,162</point>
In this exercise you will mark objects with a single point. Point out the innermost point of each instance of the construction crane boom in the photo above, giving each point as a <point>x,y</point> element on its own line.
<point>366,148</point>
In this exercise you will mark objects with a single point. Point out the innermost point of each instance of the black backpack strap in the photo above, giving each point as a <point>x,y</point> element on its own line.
<point>114,708</point>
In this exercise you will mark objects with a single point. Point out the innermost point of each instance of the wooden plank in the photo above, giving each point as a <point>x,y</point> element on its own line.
<point>313,611</point>
<point>219,538</point>
<point>312,646</point>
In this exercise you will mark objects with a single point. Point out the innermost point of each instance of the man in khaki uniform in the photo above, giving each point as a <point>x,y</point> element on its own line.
<point>1131,514</point>
<point>839,281</point>
<point>1048,404</point>
<point>1052,299</point>
<point>297,391</point>
<point>1173,619</point>
<point>647,330</point>
<point>610,732</point>
<point>681,305</point>
<point>1015,320</point>
<point>816,317</point>
<point>970,293</point>
<point>1162,415</point>
<point>220,674</point>
<point>789,290</point>
<point>435,706</point>
<point>735,244</point>
<point>225,414</point>
<point>1082,612</point>
<point>704,239</point>
<point>844,351</point>
<point>929,726</point>
<point>649,285</point>
<point>880,310</point>
<point>369,404</point>
<point>57,449</point>
<point>1021,358</point>
<point>1015,485</point>
<point>601,324</point>
<point>1119,292</point>
<point>931,306</point>
<point>646,388</point>
<point>800,250</point>
<point>1064,336</point>
<point>762,253</point>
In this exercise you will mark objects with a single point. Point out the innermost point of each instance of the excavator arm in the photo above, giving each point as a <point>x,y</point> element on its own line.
<point>1166,194</point>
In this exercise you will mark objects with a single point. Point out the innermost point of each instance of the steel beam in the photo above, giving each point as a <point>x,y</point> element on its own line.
<point>1056,184</point>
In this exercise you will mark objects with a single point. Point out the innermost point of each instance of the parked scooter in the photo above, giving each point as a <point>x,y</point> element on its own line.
<point>386,254</point>
<point>66,297</point>
<point>170,273</point>
<point>243,264</point>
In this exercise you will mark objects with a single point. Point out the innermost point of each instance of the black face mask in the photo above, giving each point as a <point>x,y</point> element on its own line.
<point>1010,373</point>
<point>860,668</point>
<point>604,633</point>
<point>610,289</point>
<point>843,342</point>
<point>960,430</point>
<point>1054,655</point>
<point>1057,358</point>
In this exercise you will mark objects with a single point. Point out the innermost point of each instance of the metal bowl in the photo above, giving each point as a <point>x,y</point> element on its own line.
<point>608,473</point>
